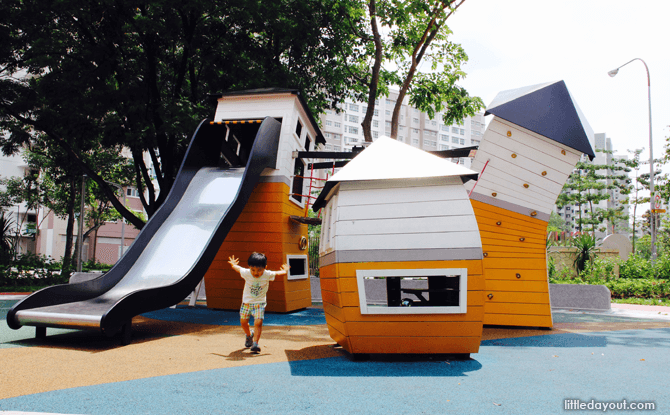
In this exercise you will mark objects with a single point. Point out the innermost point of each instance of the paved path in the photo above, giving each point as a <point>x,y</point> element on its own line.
<point>192,360</point>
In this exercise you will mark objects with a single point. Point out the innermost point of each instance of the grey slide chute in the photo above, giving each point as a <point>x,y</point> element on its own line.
<point>176,246</point>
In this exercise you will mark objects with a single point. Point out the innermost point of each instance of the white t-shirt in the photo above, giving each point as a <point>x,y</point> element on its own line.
<point>255,289</point>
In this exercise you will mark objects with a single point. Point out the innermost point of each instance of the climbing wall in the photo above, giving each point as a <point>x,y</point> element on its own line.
<point>522,174</point>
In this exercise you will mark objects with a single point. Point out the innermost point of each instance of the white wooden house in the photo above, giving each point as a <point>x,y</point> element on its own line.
<point>401,256</point>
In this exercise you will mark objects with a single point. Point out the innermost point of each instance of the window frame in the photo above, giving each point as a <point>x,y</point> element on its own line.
<point>462,308</point>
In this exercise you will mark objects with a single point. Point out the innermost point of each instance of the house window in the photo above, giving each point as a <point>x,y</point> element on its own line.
<point>298,128</point>
<point>353,107</point>
<point>298,173</point>
<point>338,124</point>
<point>412,291</point>
<point>132,192</point>
<point>353,118</point>
<point>298,267</point>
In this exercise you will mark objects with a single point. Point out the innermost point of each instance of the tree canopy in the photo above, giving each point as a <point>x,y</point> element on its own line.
<point>406,44</point>
<point>103,74</point>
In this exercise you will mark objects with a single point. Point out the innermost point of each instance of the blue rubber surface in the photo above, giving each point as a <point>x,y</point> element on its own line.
<point>204,315</point>
<point>530,375</point>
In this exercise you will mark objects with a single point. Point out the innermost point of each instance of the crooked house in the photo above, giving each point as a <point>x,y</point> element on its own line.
<point>530,147</point>
<point>400,254</point>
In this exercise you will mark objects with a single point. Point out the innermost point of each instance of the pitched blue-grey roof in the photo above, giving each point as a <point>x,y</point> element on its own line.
<point>546,109</point>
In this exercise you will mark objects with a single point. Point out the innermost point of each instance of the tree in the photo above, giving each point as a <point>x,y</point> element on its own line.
<point>588,185</point>
<point>6,240</point>
<point>108,74</point>
<point>395,38</point>
<point>633,190</point>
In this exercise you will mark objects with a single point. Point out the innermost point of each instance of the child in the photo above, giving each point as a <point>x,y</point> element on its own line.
<point>256,282</point>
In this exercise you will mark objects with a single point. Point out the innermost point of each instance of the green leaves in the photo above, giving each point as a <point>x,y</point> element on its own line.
<point>136,75</point>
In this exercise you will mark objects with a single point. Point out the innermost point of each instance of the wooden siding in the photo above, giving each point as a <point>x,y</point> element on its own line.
<point>263,226</point>
<point>385,216</point>
<point>515,271</point>
<point>397,333</point>
<point>524,168</point>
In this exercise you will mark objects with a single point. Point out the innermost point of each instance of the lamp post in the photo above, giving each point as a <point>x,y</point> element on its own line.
<point>612,73</point>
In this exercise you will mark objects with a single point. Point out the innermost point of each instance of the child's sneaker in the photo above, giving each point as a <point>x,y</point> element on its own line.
<point>250,340</point>
<point>255,348</point>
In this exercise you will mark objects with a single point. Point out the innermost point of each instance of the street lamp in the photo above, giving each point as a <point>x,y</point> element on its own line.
<point>612,73</point>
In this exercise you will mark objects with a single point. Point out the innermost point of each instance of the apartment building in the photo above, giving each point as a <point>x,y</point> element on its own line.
<point>570,213</point>
<point>343,130</point>
<point>44,233</point>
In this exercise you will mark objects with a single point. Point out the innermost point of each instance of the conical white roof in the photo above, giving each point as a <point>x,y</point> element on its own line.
<point>387,158</point>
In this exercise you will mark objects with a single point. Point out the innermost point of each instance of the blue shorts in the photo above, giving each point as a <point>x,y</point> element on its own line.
<point>256,310</point>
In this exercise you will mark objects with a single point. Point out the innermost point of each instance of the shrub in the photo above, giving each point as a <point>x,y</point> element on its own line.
<point>600,269</point>
<point>638,288</point>
<point>636,266</point>
<point>586,247</point>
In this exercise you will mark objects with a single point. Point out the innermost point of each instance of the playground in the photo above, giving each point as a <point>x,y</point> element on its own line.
<point>192,360</point>
<point>432,294</point>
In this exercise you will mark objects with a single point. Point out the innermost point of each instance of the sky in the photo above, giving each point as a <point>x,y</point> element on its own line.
<point>517,43</point>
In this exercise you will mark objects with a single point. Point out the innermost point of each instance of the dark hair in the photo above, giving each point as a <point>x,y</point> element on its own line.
<point>257,259</point>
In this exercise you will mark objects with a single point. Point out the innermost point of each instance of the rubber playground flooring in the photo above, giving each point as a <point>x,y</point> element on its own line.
<point>192,361</point>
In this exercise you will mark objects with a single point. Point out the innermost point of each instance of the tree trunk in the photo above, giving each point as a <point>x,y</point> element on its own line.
<point>419,50</point>
<point>67,255</point>
<point>374,80</point>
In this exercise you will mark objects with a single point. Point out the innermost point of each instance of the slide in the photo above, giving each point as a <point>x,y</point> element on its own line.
<point>176,246</point>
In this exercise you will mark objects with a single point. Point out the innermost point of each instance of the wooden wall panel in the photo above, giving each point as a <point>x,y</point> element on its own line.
<point>263,226</point>
<point>444,240</point>
<point>515,271</point>
<point>541,143</point>
<point>377,333</point>
<point>518,320</point>
<point>405,210</point>
<point>392,344</point>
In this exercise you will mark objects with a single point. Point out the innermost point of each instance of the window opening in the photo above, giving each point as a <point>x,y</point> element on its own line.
<point>413,291</point>
<point>298,264</point>
<point>298,128</point>
<point>298,174</point>
<point>307,142</point>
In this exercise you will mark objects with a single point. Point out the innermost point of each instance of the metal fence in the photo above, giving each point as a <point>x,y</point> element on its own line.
<point>313,249</point>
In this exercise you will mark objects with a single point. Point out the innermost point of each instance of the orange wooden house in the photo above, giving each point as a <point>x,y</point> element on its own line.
<point>528,151</point>
<point>265,225</point>
<point>401,258</point>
